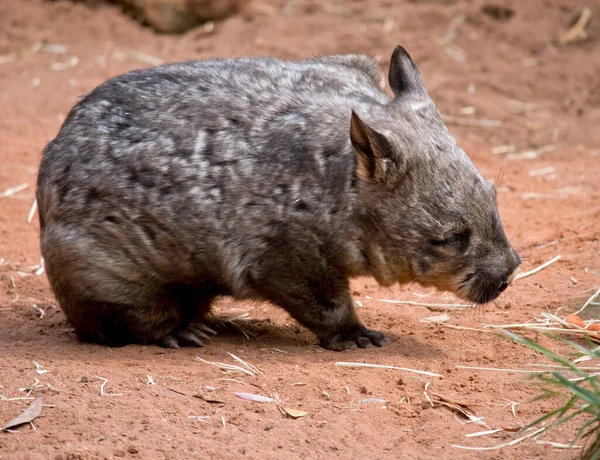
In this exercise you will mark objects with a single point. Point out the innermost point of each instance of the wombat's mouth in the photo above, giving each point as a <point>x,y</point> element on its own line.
<point>480,289</point>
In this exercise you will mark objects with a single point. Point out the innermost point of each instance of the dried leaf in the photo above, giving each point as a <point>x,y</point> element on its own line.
<point>30,414</point>
<point>254,397</point>
<point>295,413</point>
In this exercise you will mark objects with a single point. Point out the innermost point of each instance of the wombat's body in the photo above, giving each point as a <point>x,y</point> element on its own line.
<point>253,178</point>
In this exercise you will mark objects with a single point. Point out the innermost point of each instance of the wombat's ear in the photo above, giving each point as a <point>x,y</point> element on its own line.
<point>375,158</point>
<point>404,76</point>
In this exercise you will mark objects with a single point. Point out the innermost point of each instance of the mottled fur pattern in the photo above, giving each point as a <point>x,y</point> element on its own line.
<point>260,179</point>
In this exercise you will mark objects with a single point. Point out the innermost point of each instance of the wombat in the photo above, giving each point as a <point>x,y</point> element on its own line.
<point>260,179</point>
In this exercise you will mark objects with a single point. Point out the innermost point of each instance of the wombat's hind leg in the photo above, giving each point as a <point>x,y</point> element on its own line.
<point>193,305</point>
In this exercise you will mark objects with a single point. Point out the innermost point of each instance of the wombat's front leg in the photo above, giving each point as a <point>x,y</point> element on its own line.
<point>324,306</point>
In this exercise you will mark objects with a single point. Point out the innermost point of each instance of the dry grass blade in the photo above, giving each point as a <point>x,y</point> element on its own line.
<point>537,269</point>
<point>30,414</point>
<point>58,66</point>
<point>102,392</point>
<point>483,433</point>
<point>531,154</point>
<point>589,301</point>
<point>32,211</point>
<point>227,367</point>
<point>147,58</point>
<point>482,122</point>
<point>499,369</point>
<point>552,323</point>
<point>500,446</point>
<point>13,190</point>
<point>431,306</point>
<point>381,366</point>
<point>248,366</point>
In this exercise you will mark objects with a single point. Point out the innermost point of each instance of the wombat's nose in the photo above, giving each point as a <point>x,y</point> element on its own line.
<point>503,286</point>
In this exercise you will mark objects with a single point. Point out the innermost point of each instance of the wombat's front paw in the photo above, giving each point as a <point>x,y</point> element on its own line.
<point>191,335</point>
<point>361,337</point>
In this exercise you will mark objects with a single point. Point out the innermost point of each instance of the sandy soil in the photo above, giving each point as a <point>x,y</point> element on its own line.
<point>543,95</point>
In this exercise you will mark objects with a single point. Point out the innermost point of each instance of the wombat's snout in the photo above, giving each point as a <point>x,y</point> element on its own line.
<point>495,278</point>
<point>516,263</point>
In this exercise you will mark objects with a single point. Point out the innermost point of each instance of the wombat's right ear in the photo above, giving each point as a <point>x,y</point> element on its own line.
<point>404,76</point>
<point>375,157</point>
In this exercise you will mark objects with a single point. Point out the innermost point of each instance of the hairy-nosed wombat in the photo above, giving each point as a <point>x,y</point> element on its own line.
<point>260,179</point>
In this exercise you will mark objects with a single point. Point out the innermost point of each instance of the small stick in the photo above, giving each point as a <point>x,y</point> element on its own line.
<point>381,366</point>
<point>32,211</point>
<point>535,270</point>
<point>500,446</point>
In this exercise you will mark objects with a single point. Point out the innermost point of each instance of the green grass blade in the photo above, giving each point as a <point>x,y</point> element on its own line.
<point>559,359</point>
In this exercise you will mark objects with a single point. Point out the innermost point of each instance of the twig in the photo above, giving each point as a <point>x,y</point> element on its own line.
<point>11,191</point>
<point>537,269</point>
<point>578,29</point>
<point>102,393</point>
<point>381,366</point>
<point>445,306</point>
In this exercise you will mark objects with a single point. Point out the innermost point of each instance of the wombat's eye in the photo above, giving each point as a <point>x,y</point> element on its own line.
<point>459,240</point>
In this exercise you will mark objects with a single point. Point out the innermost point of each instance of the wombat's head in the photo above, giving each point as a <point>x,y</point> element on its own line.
<point>433,216</point>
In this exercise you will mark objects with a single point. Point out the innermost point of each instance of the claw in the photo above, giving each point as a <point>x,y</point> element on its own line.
<point>170,342</point>
<point>190,337</point>
<point>204,327</point>
<point>196,330</point>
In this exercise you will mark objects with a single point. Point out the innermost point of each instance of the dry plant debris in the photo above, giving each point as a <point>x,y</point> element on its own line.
<point>381,366</point>
<point>577,30</point>
<point>30,414</point>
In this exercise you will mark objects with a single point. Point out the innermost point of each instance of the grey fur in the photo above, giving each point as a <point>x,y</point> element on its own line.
<point>260,179</point>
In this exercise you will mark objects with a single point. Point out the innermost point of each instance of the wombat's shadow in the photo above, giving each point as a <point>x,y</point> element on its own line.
<point>56,333</point>
<point>262,333</point>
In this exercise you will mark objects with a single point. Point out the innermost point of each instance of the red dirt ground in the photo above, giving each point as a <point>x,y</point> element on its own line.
<point>514,71</point>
